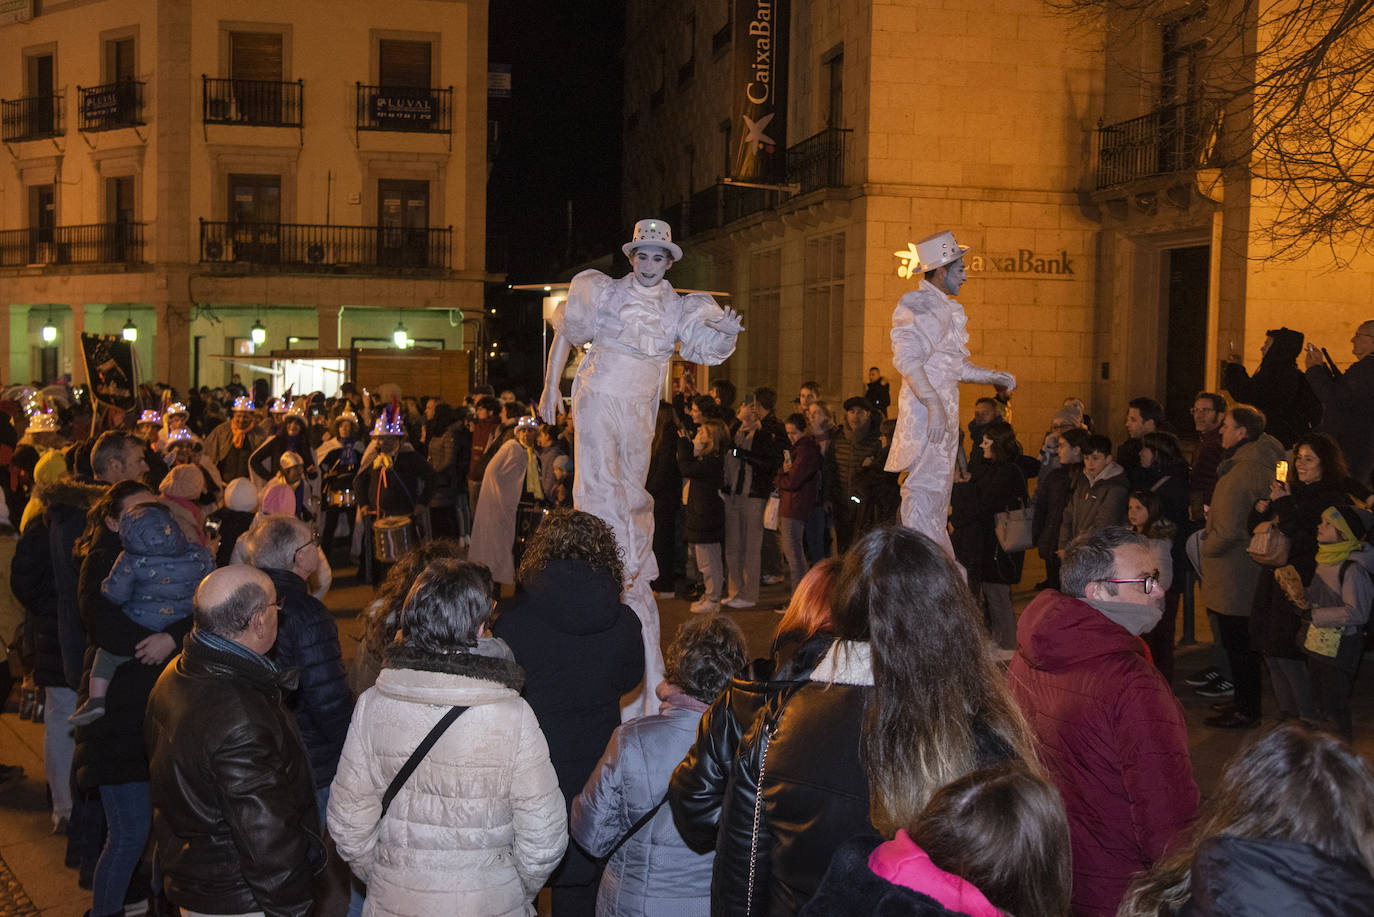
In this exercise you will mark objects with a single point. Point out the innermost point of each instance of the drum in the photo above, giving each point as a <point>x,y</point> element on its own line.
<point>392,537</point>
<point>342,498</point>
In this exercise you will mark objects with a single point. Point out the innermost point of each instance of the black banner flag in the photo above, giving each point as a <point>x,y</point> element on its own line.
<point>110,367</point>
<point>760,91</point>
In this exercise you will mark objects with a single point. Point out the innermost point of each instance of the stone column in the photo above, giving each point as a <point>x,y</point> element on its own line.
<point>15,367</point>
<point>172,362</point>
<point>328,327</point>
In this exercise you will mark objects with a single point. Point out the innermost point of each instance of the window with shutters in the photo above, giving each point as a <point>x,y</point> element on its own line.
<point>405,94</point>
<point>765,296</point>
<point>254,87</point>
<point>823,311</point>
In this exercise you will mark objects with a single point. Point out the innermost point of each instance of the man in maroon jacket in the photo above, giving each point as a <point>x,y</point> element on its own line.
<point>1109,730</point>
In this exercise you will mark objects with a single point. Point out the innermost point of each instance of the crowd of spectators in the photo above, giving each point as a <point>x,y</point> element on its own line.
<point>908,745</point>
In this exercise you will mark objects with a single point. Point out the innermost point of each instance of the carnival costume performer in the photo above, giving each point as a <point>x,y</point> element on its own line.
<point>633,325</point>
<point>930,350</point>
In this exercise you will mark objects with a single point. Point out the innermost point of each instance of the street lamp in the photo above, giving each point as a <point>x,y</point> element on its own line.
<point>49,330</point>
<point>130,331</point>
<point>259,333</point>
<point>400,337</point>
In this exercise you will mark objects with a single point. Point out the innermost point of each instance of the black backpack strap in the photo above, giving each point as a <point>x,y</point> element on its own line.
<point>644,819</point>
<point>417,756</point>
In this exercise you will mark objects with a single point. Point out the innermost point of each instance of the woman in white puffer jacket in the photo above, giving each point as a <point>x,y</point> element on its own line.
<point>480,824</point>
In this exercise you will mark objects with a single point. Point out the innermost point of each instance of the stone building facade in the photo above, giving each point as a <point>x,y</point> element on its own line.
<point>196,169</point>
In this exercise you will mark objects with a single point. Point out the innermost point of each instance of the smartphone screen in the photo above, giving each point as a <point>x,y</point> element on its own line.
<point>1281,472</point>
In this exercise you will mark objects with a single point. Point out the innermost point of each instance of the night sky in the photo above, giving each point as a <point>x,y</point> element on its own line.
<point>560,132</point>
<point>560,135</point>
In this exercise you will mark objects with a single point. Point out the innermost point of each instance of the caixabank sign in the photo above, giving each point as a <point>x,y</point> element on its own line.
<point>1025,262</point>
<point>759,87</point>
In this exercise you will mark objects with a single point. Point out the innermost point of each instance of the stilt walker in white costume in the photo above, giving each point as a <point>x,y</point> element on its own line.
<point>633,325</point>
<point>930,350</point>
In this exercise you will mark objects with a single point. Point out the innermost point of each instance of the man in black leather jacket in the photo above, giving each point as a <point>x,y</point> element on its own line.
<point>234,816</point>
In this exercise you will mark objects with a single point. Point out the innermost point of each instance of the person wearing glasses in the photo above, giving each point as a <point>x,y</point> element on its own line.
<point>234,817</point>
<point>286,549</point>
<point>1345,399</point>
<point>1108,728</point>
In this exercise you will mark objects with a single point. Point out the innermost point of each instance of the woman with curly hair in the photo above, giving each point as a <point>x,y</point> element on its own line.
<point>650,868</point>
<point>581,650</point>
<point>1290,830</point>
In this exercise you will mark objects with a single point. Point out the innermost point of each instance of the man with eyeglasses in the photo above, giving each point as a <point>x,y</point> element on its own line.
<point>1346,398</point>
<point>234,816</point>
<point>1108,728</point>
<point>285,548</point>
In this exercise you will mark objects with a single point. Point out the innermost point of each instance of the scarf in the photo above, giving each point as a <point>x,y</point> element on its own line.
<point>1336,552</point>
<point>533,486</point>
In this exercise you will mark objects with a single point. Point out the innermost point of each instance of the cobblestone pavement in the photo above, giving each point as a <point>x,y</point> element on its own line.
<point>14,901</point>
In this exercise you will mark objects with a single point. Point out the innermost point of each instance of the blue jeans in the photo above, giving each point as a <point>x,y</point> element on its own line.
<point>129,815</point>
<point>356,889</point>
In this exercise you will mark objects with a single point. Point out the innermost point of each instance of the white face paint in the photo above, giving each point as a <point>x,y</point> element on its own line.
<point>650,264</point>
<point>954,277</point>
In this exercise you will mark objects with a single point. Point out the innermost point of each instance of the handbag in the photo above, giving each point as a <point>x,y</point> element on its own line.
<point>1014,529</point>
<point>771,511</point>
<point>417,756</point>
<point>1268,545</point>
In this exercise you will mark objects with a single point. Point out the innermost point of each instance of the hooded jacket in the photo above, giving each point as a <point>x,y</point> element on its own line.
<point>1112,736</point>
<point>67,502</point>
<point>308,640</point>
<point>479,825</point>
<point>1273,878</point>
<point>1345,406</point>
<point>1278,387</point>
<point>581,649</point>
<point>892,879</point>
<point>1095,503</point>
<point>154,579</point>
<point>1229,575</point>
<point>234,816</point>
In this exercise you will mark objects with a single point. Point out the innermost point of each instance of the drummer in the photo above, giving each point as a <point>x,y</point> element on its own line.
<point>338,458</point>
<point>397,482</point>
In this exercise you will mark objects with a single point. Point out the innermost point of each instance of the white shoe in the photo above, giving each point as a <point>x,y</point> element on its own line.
<point>737,602</point>
<point>770,579</point>
<point>704,607</point>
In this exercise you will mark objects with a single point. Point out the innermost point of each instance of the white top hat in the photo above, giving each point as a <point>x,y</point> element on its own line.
<point>655,233</point>
<point>939,250</point>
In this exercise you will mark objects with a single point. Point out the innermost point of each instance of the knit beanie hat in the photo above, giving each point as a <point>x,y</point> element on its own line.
<point>241,496</point>
<point>50,467</point>
<point>278,498</point>
<point>185,481</point>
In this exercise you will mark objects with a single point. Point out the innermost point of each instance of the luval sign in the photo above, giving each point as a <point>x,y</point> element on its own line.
<point>1026,262</point>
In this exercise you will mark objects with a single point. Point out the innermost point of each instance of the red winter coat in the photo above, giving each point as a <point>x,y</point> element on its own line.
<point>1111,734</point>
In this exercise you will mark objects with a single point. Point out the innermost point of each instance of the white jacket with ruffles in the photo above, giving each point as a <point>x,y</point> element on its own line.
<point>480,824</point>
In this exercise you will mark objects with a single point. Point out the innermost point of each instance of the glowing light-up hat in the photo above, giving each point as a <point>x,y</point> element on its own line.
<point>181,436</point>
<point>244,404</point>
<point>176,407</point>
<point>527,423</point>
<point>939,250</point>
<point>43,422</point>
<point>276,406</point>
<point>389,424</point>
<point>152,417</point>
<point>652,233</point>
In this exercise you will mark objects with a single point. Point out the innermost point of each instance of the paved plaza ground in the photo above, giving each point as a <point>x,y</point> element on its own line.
<point>33,879</point>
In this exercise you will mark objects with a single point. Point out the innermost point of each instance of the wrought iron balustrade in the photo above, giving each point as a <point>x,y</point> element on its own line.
<point>818,161</point>
<point>31,118</point>
<point>264,103</point>
<point>312,246</point>
<point>94,243</point>
<point>111,106</point>
<point>414,109</point>
<point>1175,138</point>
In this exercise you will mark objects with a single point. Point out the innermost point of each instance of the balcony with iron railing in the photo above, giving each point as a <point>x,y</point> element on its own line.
<point>31,118</point>
<point>316,247</point>
<point>95,243</point>
<point>1175,138</point>
<point>262,103</point>
<point>813,164</point>
<point>111,106</point>
<point>412,109</point>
